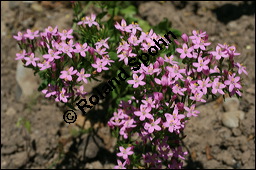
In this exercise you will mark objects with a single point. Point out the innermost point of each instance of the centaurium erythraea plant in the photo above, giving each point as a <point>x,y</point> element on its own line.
<point>164,93</point>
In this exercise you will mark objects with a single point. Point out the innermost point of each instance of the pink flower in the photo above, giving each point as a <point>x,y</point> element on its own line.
<point>185,52</point>
<point>31,60</point>
<point>80,91</point>
<point>52,55</point>
<point>201,64</point>
<point>20,55</point>
<point>165,81</point>
<point>50,91</point>
<point>219,53</point>
<point>194,87</point>
<point>198,97</point>
<point>81,49</point>
<point>100,65</point>
<point>191,111</point>
<point>124,153</point>
<point>144,112</point>
<point>241,68</point>
<point>19,37</point>
<point>232,51</point>
<point>31,35</point>
<point>150,127</point>
<point>175,72</point>
<point>90,21</point>
<point>137,81</point>
<point>67,75</point>
<point>82,76</point>
<point>67,49</point>
<point>45,65</point>
<point>178,90</point>
<point>232,82</point>
<point>62,96</point>
<point>66,34</point>
<point>101,51</point>
<point>102,43</point>
<point>133,28</point>
<point>120,165</point>
<point>51,31</point>
<point>217,86</point>
<point>215,70</point>
<point>204,84</point>
<point>150,70</point>
<point>133,39</point>
<point>149,102</point>
<point>200,43</point>
<point>170,60</point>
<point>171,123</point>
<point>125,55</point>
<point>197,34</point>
<point>122,27</point>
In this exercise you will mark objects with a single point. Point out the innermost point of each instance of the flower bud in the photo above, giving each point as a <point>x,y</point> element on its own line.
<point>174,97</point>
<point>158,95</point>
<point>91,50</point>
<point>54,68</point>
<point>184,38</point>
<point>176,42</point>
<point>180,106</point>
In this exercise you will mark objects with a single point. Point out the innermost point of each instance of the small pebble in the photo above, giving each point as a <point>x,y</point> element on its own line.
<point>231,104</point>
<point>230,120</point>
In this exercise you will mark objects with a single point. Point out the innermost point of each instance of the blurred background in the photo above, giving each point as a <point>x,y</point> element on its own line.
<point>34,134</point>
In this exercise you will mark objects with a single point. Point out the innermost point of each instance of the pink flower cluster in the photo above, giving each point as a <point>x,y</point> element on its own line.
<point>59,48</point>
<point>168,91</point>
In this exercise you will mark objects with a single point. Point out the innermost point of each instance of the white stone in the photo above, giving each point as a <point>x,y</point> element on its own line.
<point>26,79</point>
<point>239,114</point>
<point>230,120</point>
<point>231,104</point>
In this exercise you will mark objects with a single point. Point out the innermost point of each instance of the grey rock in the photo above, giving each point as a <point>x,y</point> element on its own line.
<point>96,165</point>
<point>10,111</point>
<point>236,132</point>
<point>211,164</point>
<point>226,157</point>
<point>92,147</point>
<point>26,80</point>
<point>109,166</point>
<point>231,104</point>
<point>14,4</point>
<point>239,114</point>
<point>18,159</point>
<point>8,149</point>
<point>37,7</point>
<point>245,156</point>
<point>230,120</point>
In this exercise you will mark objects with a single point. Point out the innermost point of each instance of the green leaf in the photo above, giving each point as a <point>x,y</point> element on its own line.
<point>113,55</point>
<point>177,33</point>
<point>144,25</point>
<point>43,85</point>
<point>163,27</point>
<point>129,11</point>
<point>113,11</point>
<point>27,125</point>
<point>215,74</point>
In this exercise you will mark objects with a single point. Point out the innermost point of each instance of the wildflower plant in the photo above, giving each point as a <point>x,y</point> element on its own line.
<point>148,113</point>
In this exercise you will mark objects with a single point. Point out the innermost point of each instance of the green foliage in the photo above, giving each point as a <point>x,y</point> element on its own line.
<point>22,122</point>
